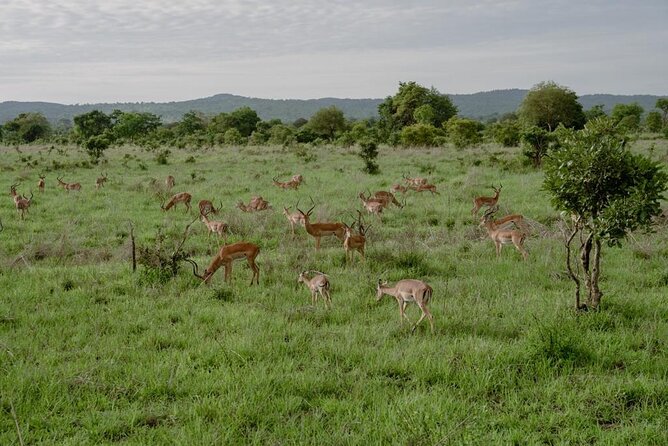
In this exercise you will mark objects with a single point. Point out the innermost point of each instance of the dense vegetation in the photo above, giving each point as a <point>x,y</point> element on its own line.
<point>91,353</point>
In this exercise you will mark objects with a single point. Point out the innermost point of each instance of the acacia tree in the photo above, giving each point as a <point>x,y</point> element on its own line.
<point>608,191</point>
<point>548,104</point>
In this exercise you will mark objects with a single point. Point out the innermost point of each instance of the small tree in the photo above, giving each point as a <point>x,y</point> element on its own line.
<point>536,142</point>
<point>654,121</point>
<point>627,116</point>
<point>464,132</point>
<point>27,127</point>
<point>548,104</point>
<point>506,132</point>
<point>418,135</point>
<point>369,153</point>
<point>662,104</point>
<point>327,122</point>
<point>608,190</point>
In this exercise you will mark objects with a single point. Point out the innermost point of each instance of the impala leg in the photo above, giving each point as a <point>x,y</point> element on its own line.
<point>328,298</point>
<point>498,248</point>
<point>228,272</point>
<point>425,312</point>
<point>317,243</point>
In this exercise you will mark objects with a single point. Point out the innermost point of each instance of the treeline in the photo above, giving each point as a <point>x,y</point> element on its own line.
<point>415,116</point>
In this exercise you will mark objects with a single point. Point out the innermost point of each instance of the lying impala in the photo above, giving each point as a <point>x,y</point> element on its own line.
<point>40,183</point>
<point>99,182</point>
<point>318,284</point>
<point>357,242</point>
<point>297,179</point>
<point>181,197</point>
<point>414,181</point>
<point>22,203</point>
<point>216,227</point>
<point>256,204</point>
<point>226,256</point>
<point>285,185</point>
<point>489,202</point>
<point>294,218</point>
<point>68,186</point>
<point>170,182</point>
<point>503,236</point>
<point>406,291</point>
<point>317,230</point>
<point>206,207</point>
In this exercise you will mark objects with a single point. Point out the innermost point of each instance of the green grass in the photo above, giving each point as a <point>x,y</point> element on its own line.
<point>91,353</point>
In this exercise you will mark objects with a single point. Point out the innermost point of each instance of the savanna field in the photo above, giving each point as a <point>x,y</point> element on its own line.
<point>92,353</point>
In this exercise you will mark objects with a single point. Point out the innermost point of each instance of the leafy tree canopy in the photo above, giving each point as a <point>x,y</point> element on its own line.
<point>91,124</point>
<point>548,104</point>
<point>27,127</point>
<point>627,116</point>
<point>326,122</point>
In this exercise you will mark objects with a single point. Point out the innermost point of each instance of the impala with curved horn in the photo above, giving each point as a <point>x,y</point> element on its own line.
<point>99,182</point>
<point>41,183</point>
<point>285,185</point>
<point>226,256</point>
<point>318,230</point>
<point>206,207</point>
<point>489,202</point>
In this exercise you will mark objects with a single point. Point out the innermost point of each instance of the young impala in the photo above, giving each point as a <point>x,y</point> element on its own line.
<point>68,186</point>
<point>317,230</point>
<point>216,227</point>
<point>226,256</point>
<point>489,202</point>
<point>206,207</point>
<point>406,291</point>
<point>372,205</point>
<point>352,243</point>
<point>41,183</point>
<point>99,182</point>
<point>294,218</point>
<point>503,236</point>
<point>181,197</point>
<point>22,203</point>
<point>424,187</point>
<point>318,284</point>
<point>170,182</point>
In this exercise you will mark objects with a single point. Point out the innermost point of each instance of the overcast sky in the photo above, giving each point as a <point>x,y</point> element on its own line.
<point>85,51</point>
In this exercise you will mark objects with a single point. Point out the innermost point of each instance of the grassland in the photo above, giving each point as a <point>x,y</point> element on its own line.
<point>91,353</point>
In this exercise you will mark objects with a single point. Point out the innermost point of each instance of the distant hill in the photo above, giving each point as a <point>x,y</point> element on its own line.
<point>483,105</point>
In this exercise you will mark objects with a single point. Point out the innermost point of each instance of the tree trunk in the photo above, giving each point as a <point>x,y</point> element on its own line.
<point>573,276</point>
<point>585,256</point>
<point>595,293</point>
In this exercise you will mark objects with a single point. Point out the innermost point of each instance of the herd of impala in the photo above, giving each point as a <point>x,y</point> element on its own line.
<point>404,291</point>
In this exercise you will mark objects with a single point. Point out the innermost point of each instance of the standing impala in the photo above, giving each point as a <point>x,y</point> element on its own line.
<point>503,236</point>
<point>294,218</point>
<point>414,181</point>
<point>170,182</point>
<point>216,227</point>
<point>317,230</point>
<point>387,198</point>
<point>489,202</point>
<point>68,186</point>
<point>424,187</point>
<point>182,197</point>
<point>206,207</point>
<point>99,182</point>
<point>318,284</point>
<point>22,203</point>
<point>226,256</point>
<point>406,291</point>
<point>373,205</point>
<point>503,222</point>
<point>40,183</point>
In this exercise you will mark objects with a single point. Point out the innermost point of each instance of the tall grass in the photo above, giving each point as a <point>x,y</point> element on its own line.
<point>93,354</point>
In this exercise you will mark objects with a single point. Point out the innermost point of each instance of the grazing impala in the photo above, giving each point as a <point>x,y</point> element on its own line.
<point>414,181</point>
<point>226,256</point>
<point>372,205</point>
<point>294,218</point>
<point>181,197</point>
<point>398,188</point>
<point>388,198</point>
<point>206,207</point>
<point>317,230</point>
<point>170,182</point>
<point>100,181</point>
<point>216,227</point>
<point>22,203</point>
<point>424,187</point>
<point>503,236</point>
<point>406,291</point>
<point>68,186</point>
<point>40,183</point>
<point>318,284</point>
<point>489,202</point>
<point>285,185</point>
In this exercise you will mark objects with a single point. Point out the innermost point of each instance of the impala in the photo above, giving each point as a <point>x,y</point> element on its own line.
<point>285,185</point>
<point>503,236</point>
<point>414,181</point>
<point>170,182</point>
<point>68,186</point>
<point>503,222</point>
<point>424,187</point>
<point>297,179</point>
<point>406,291</point>
<point>216,227</point>
<point>41,183</point>
<point>318,284</point>
<point>100,181</point>
<point>256,204</point>
<point>206,207</point>
<point>226,256</point>
<point>352,243</point>
<point>387,198</point>
<point>398,188</point>
<point>317,230</point>
<point>22,203</point>
<point>181,197</point>
<point>372,205</point>
<point>489,202</point>
<point>294,218</point>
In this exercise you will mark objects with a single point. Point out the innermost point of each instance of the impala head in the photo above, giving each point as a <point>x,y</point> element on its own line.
<point>12,189</point>
<point>42,177</point>
<point>205,277</point>
<point>308,213</point>
<point>497,191</point>
<point>379,291</point>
